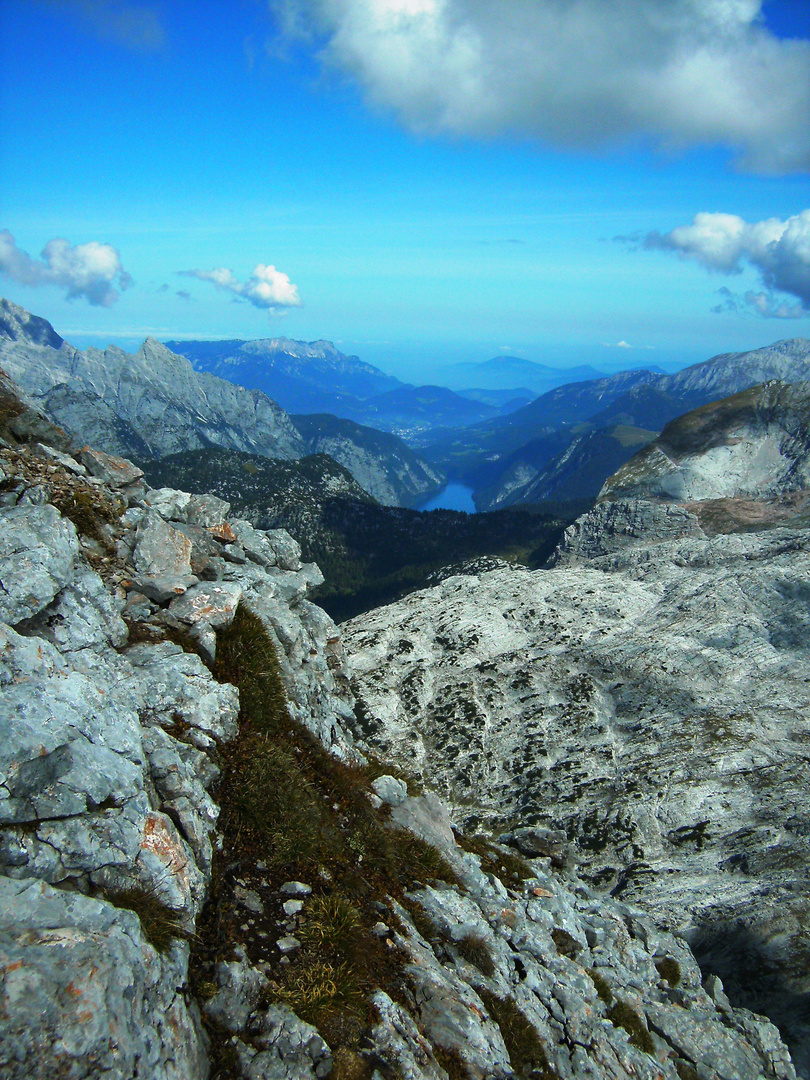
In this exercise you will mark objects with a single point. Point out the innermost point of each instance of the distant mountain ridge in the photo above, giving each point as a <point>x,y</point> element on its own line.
<point>316,377</point>
<point>566,442</point>
<point>506,372</point>
<point>152,403</point>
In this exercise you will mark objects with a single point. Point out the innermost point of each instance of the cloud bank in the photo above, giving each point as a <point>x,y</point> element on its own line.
<point>86,270</point>
<point>265,288</point>
<point>724,243</point>
<point>574,73</point>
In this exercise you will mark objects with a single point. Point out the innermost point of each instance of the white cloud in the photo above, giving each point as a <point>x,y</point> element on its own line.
<point>778,250</point>
<point>265,288</point>
<point>87,270</point>
<point>575,73</point>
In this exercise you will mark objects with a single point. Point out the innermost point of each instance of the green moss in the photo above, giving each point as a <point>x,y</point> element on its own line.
<point>685,1071</point>
<point>624,1016</point>
<point>160,924</point>
<point>475,948</point>
<point>349,1065</point>
<point>602,987</point>
<point>527,1054</point>
<point>670,970</point>
<point>452,1063</point>
<point>421,920</point>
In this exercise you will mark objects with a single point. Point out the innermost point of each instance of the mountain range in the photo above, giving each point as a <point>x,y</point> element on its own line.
<point>152,402</point>
<point>315,377</point>
<point>573,437</point>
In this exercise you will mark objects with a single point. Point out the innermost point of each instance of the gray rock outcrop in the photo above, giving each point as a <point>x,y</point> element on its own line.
<point>109,764</point>
<point>650,705</point>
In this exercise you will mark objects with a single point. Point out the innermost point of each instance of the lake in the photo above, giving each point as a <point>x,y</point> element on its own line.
<point>452,497</point>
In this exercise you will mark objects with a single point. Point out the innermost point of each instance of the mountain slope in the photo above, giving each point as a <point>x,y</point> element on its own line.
<point>756,443</point>
<point>205,876</point>
<point>381,463</point>
<point>636,399</point>
<point>152,403</point>
<point>158,393</point>
<point>649,710</point>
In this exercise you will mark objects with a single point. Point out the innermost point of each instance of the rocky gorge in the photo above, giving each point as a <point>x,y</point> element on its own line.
<point>205,872</point>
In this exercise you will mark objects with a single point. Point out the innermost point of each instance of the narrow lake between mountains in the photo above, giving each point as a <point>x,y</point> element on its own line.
<point>451,497</point>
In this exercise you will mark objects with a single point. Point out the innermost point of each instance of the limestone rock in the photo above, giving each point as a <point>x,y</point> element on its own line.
<point>160,548</point>
<point>83,994</point>
<point>37,554</point>
<point>651,706</point>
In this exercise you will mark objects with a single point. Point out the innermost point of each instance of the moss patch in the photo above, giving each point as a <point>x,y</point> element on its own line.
<point>602,986</point>
<point>624,1016</point>
<point>670,970</point>
<point>292,809</point>
<point>527,1054</point>
<point>509,866</point>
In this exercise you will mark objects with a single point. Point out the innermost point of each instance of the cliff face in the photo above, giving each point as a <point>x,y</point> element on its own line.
<point>144,932</point>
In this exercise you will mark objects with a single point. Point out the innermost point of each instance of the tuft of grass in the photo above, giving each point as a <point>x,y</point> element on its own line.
<point>475,948</point>
<point>670,970</point>
<point>508,865</point>
<point>527,1053</point>
<point>90,511</point>
<point>160,923</point>
<point>602,987</point>
<point>624,1016</point>
<point>332,922</point>
<point>305,815</point>
<point>318,988</point>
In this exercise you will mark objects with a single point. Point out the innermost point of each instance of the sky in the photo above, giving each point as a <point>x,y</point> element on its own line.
<point>614,182</point>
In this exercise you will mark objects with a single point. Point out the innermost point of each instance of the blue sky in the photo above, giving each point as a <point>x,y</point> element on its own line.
<point>421,181</point>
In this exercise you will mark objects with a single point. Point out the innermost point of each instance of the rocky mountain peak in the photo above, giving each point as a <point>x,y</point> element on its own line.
<point>755,443</point>
<point>17,324</point>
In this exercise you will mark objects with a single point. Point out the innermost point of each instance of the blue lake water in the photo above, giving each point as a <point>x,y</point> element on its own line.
<point>452,497</point>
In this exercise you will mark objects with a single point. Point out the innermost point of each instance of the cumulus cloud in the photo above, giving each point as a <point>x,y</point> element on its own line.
<point>725,243</point>
<point>88,270</point>
<point>574,73</point>
<point>265,288</point>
